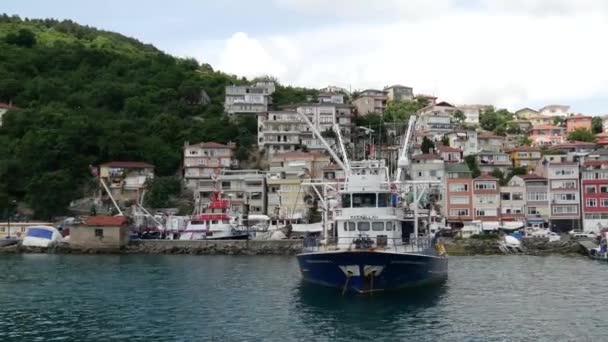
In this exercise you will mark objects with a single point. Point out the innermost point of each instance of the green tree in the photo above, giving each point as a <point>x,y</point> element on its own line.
<point>445,140</point>
<point>50,193</point>
<point>161,191</point>
<point>524,140</point>
<point>581,134</point>
<point>397,111</point>
<point>473,165</point>
<point>597,125</point>
<point>23,38</point>
<point>427,145</point>
<point>502,180</point>
<point>459,116</point>
<point>558,120</point>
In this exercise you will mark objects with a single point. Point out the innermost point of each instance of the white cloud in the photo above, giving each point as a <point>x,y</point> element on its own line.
<point>484,55</point>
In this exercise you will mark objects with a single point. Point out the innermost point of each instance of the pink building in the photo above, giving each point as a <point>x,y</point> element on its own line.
<point>547,135</point>
<point>578,121</point>
<point>450,154</point>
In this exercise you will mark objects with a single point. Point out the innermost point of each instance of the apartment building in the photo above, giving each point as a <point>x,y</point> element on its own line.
<point>564,192</point>
<point>472,113</point>
<point>486,199</point>
<point>493,160</point>
<point>513,200</point>
<point>525,156</point>
<point>370,101</point>
<point>537,209</point>
<point>459,196</point>
<point>244,188</point>
<point>490,142</point>
<point>547,135</point>
<point>594,186</point>
<point>450,154</point>
<point>205,160</point>
<point>465,140</point>
<point>554,110</point>
<point>526,113</point>
<point>574,122</point>
<point>248,100</point>
<point>399,93</point>
<point>280,131</point>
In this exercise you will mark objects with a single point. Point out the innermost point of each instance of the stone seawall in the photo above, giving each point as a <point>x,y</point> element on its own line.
<point>229,247</point>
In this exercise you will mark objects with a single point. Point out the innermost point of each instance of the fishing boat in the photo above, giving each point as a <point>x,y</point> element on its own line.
<point>369,247</point>
<point>41,236</point>
<point>214,223</point>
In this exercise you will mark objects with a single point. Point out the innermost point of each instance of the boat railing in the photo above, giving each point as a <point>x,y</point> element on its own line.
<point>317,244</point>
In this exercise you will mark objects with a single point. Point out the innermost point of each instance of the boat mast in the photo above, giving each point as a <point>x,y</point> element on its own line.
<point>403,160</point>
<point>318,135</point>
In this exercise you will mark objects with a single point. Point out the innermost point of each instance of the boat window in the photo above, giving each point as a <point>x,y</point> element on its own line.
<point>364,200</point>
<point>363,226</point>
<point>378,226</point>
<point>214,222</point>
<point>384,200</point>
<point>389,226</point>
<point>351,226</point>
<point>345,226</point>
<point>346,201</point>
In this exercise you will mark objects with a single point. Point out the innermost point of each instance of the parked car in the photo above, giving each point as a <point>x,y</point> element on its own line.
<point>579,234</point>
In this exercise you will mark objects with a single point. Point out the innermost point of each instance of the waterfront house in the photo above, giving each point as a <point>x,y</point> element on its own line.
<point>489,161</point>
<point>427,167</point>
<point>465,140</point>
<point>100,232</point>
<point>248,100</point>
<point>286,197</point>
<point>490,142</point>
<point>578,121</point>
<point>547,135</point>
<point>280,131</point>
<point>523,125</point>
<point>126,180</point>
<point>399,93</point>
<point>203,161</point>
<point>244,188</point>
<point>437,118</point>
<point>486,199</point>
<point>459,196</point>
<point>594,186</point>
<point>537,200</point>
<point>525,156</point>
<point>554,110</point>
<point>513,200</point>
<point>564,193</point>
<point>370,101</point>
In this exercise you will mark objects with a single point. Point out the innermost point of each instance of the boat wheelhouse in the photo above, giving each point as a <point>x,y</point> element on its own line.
<point>214,223</point>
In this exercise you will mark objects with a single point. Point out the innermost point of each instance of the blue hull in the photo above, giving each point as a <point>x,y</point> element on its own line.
<point>370,271</point>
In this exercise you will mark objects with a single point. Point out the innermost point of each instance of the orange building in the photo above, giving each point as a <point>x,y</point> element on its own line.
<point>578,121</point>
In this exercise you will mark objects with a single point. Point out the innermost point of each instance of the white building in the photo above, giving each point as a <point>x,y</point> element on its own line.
<point>465,140</point>
<point>472,113</point>
<point>251,100</point>
<point>204,161</point>
<point>554,110</point>
<point>399,93</point>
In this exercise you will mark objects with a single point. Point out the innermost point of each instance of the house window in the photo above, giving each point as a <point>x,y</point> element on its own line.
<point>225,185</point>
<point>537,196</point>
<point>592,202</point>
<point>459,200</point>
<point>485,186</point>
<point>99,233</point>
<point>590,189</point>
<point>604,202</point>
<point>565,209</point>
<point>459,212</point>
<point>564,197</point>
<point>459,187</point>
<point>505,196</point>
<point>533,211</point>
<point>603,189</point>
<point>486,199</point>
<point>518,196</point>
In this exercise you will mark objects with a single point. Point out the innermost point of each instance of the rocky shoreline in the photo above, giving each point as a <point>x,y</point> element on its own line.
<point>531,246</point>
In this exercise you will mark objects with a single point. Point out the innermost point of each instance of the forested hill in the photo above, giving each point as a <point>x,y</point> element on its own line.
<point>86,96</point>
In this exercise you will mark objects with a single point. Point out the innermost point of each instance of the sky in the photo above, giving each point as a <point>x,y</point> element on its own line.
<point>508,53</point>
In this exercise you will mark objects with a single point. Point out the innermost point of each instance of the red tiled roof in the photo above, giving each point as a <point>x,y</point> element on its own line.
<point>103,220</point>
<point>578,116</point>
<point>127,164</point>
<point>596,162</point>
<point>426,156</point>
<point>486,177</point>
<point>443,149</point>
<point>532,176</point>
